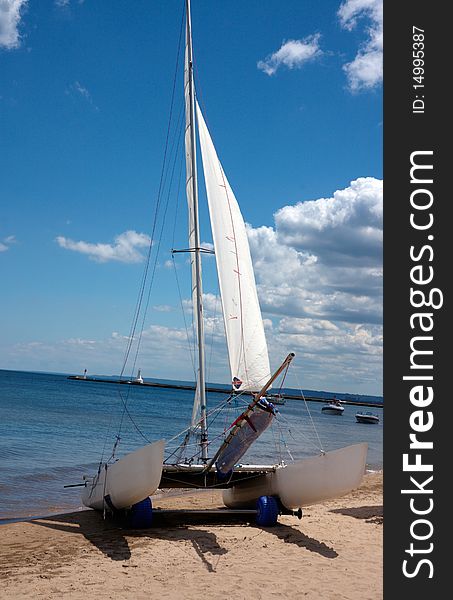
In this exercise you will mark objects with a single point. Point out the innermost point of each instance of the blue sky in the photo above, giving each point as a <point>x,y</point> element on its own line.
<point>292,94</point>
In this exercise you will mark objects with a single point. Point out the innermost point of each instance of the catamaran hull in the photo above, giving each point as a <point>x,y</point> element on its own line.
<point>305,481</point>
<point>127,481</point>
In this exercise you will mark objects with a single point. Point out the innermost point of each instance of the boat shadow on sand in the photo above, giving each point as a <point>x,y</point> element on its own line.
<point>113,539</point>
<point>370,514</point>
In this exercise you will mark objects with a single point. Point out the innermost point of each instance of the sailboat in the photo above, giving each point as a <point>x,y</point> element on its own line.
<point>270,489</point>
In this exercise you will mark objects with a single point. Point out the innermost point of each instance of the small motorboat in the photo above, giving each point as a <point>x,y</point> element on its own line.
<point>333,408</point>
<point>367,417</point>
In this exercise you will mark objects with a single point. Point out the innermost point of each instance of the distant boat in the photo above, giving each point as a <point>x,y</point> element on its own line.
<point>333,408</point>
<point>367,417</point>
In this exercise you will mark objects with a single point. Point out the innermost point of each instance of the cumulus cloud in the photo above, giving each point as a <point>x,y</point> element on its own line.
<point>292,54</point>
<point>332,356</point>
<point>319,276</point>
<point>323,259</point>
<point>124,249</point>
<point>163,308</point>
<point>344,230</point>
<point>10,16</point>
<point>365,71</point>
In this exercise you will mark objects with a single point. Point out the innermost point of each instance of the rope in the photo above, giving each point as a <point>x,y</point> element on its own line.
<point>309,413</point>
<point>211,344</point>
<point>142,287</point>
<point>191,350</point>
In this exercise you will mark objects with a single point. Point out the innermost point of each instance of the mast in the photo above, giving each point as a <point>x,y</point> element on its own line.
<point>190,125</point>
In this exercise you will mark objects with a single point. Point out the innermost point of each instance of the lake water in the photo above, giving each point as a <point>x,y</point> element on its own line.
<point>53,430</point>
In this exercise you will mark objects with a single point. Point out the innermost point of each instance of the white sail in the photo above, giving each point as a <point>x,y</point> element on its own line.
<point>247,348</point>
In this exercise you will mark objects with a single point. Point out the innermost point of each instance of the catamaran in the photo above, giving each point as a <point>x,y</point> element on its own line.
<point>271,489</point>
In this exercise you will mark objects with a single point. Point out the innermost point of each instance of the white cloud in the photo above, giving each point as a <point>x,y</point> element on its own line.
<point>345,229</point>
<point>323,260</point>
<point>319,275</point>
<point>79,90</point>
<point>211,304</point>
<point>163,308</point>
<point>332,356</point>
<point>6,242</point>
<point>124,249</point>
<point>292,54</point>
<point>366,70</point>
<point>10,15</point>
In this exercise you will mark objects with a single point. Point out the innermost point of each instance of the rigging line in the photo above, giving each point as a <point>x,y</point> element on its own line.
<point>159,193</point>
<point>157,253</point>
<point>211,343</point>
<point>175,139</point>
<point>309,413</point>
<point>178,192</point>
<point>191,351</point>
<point>195,444</point>
<point>105,438</point>
<point>140,336</point>
<point>276,438</point>
<point>285,373</point>
<point>218,409</point>
<point>282,437</point>
<point>126,411</point>
<point>149,287</point>
<point>159,197</point>
<point>163,181</point>
<point>300,431</point>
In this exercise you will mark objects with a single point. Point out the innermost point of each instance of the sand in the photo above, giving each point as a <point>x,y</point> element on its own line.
<point>333,552</point>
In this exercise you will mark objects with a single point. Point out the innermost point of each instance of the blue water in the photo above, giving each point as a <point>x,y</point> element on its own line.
<point>54,430</point>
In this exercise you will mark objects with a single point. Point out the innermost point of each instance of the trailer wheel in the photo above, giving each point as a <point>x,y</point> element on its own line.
<point>266,511</point>
<point>141,515</point>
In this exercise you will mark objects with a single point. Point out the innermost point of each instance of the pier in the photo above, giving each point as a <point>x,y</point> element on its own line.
<point>210,389</point>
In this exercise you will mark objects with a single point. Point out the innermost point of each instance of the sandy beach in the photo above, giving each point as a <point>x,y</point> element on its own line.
<point>333,552</point>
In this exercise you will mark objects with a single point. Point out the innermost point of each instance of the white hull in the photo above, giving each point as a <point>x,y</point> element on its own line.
<point>127,481</point>
<point>332,409</point>
<point>305,481</point>
<point>361,418</point>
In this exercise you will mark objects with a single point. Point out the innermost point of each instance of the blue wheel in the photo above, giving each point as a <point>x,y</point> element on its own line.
<point>141,515</point>
<point>266,511</point>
